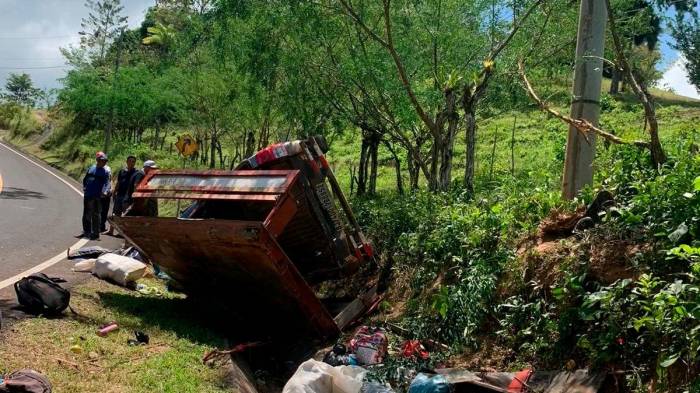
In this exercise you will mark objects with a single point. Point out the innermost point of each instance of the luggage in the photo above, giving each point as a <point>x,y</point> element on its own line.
<point>119,269</point>
<point>25,381</point>
<point>40,294</point>
<point>370,345</point>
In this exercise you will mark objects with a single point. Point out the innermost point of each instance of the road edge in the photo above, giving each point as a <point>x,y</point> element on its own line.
<point>61,177</point>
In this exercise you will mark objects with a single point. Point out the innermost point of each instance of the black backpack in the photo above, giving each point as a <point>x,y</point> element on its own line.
<point>40,294</point>
<point>25,381</point>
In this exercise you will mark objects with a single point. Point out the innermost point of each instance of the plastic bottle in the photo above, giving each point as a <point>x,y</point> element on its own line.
<point>106,329</point>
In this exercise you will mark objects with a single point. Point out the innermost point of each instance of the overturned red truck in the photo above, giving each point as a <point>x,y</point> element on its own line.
<point>260,239</point>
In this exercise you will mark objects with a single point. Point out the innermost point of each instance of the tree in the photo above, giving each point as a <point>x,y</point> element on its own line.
<point>458,63</point>
<point>21,90</point>
<point>639,27</point>
<point>101,27</point>
<point>686,31</point>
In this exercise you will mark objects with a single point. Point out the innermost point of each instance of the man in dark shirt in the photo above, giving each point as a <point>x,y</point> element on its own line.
<point>149,206</point>
<point>121,193</point>
<point>96,184</point>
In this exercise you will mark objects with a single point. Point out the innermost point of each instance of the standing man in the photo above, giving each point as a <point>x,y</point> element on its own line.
<point>95,185</point>
<point>149,206</point>
<point>121,190</point>
<point>105,201</point>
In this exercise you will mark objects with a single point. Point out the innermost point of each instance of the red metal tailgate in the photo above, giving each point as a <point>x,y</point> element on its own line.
<point>238,262</point>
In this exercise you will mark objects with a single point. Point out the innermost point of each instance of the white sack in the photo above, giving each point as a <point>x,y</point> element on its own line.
<point>313,376</point>
<point>119,269</point>
<point>87,265</point>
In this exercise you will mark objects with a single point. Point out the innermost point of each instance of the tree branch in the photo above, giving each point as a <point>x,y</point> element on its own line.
<point>388,44</point>
<point>583,126</point>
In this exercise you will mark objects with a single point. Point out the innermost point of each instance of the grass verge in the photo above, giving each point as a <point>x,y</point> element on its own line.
<point>76,359</point>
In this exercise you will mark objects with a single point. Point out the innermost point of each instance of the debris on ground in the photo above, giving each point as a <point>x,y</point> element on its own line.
<point>413,349</point>
<point>217,353</point>
<point>40,294</point>
<point>119,269</point>
<point>25,381</point>
<point>107,328</point>
<point>87,252</point>
<point>374,387</point>
<point>148,290</point>
<point>370,345</point>
<point>140,338</point>
<point>580,381</point>
<point>424,383</point>
<point>85,265</point>
<point>313,376</point>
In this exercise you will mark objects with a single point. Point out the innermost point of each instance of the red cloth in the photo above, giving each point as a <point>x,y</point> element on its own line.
<point>414,348</point>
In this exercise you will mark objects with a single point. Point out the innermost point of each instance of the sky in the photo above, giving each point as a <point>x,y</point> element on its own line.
<point>32,31</point>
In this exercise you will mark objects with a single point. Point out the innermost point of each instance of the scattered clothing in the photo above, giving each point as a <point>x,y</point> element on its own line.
<point>87,252</point>
<point>414,349</point>
<point>370,345</point>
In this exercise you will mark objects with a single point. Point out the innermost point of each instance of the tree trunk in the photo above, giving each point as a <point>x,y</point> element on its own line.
<point>413,173</point>
<point>397,165</point>
<point>448,143</point>
<point>657,153</point>
<point>493,154</point>
<point>512,147</point>
<point>470,160</point>
<point>434,158</point>
<point>219,150</point>
<point>156,137</point>
<point>362,171</point>
<point>212,145</point>
<point>249,144</point>
<point>615,81</point>
<point>374,149</point>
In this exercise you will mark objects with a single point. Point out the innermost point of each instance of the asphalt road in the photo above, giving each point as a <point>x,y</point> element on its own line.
<point>39,214</point>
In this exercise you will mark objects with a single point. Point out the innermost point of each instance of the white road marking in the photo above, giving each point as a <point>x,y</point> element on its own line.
<point>44,265</point>
<point>42,168</point>
<point>58,258</point>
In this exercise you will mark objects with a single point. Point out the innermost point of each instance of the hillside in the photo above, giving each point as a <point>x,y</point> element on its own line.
<point>500,277</point>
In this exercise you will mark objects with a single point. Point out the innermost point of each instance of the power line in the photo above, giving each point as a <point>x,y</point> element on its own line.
<point>37,37</point>
<point>31,58</point>
<point>33,68</point>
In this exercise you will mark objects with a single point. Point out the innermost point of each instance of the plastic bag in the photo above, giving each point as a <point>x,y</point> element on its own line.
<point>119,269</point>
<point>313,376</point>
<point>374,387</point>
<point>424,383</point>
<point>87,265</point>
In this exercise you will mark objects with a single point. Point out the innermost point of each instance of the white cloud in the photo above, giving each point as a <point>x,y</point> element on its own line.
<point>676,79</point>
<point>32,31</point>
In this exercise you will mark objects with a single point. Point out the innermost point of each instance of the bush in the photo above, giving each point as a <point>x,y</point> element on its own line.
<point>19,120</point>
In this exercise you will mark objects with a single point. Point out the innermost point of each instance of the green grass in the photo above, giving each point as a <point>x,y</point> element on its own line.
<point>171,362</point>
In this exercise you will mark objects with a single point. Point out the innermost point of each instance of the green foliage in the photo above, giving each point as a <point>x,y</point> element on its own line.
<point>20,120</point>
<point>21,90</point>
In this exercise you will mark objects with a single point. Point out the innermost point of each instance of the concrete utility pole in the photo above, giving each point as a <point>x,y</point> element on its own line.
<point>588,75</point>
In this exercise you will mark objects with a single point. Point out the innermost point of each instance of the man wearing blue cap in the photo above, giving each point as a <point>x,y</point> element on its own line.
<point>96,184</point>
